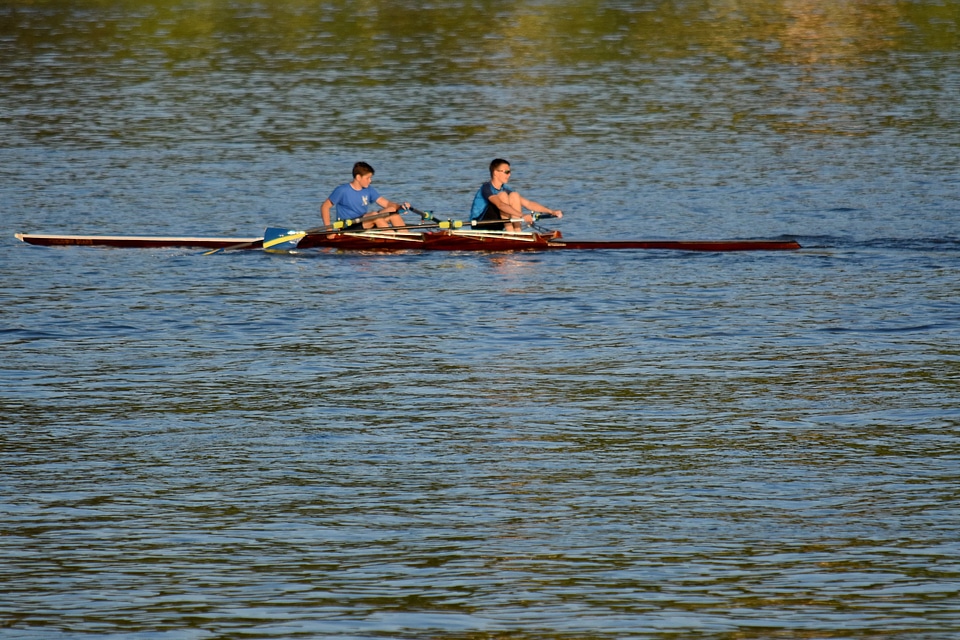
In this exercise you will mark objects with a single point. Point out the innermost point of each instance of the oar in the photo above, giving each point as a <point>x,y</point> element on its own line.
<point>481,223</point>
<point>450,223</point>
<point>232,247</point>
<point>274,236</point>
<point>296,235</point>
<point>276,239</point>
<point>428,216</point>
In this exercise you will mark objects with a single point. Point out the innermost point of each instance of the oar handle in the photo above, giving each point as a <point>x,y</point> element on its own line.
<point>426,215</point>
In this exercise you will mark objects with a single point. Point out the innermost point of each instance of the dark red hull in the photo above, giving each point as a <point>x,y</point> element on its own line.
<point>136,242</point>
<point>478,241</point>
<point>487,241</point>
<point>433,241</point>
<point>682,245</point>
<point>363,242</point>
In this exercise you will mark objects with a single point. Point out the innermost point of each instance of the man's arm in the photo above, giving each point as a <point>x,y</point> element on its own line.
<point>539,208</point>
<point>325,212</point>
<point>388,205</point>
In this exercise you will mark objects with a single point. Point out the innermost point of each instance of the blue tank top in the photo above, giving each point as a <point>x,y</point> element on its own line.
<point>481,201</point>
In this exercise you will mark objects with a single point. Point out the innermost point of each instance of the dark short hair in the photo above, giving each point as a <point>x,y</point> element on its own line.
<point>361,169</point>
<point>496,163</point>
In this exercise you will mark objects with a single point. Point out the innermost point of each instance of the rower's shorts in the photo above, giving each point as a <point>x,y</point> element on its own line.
<point>490,213</point>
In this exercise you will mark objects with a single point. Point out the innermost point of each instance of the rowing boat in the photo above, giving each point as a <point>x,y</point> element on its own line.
<point>444,240</point>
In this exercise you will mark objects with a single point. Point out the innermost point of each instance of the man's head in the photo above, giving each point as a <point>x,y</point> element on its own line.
<point>500,165</point>
<point>362,169</point>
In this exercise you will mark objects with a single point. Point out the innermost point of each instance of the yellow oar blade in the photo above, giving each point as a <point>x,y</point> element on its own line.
<point>286,237</point>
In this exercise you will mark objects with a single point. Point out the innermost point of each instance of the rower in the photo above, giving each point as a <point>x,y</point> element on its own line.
<point>497,207</point>
<point>352,199</point>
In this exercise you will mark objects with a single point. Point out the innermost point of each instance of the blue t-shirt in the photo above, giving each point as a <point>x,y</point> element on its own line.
<point>351,203</point>
<point>481,201</point>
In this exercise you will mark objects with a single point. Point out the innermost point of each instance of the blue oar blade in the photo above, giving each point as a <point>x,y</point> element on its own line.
<point>281,239</point>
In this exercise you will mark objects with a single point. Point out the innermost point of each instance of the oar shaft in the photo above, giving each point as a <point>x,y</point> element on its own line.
<point>450,223</point>
<point>340,226</point>
<point>234,247</point>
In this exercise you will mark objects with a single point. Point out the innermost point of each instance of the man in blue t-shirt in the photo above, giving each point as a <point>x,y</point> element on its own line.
<point>496,204</point>
<point>352,200</point>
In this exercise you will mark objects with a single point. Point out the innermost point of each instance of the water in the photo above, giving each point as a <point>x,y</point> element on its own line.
<point>564,445</point>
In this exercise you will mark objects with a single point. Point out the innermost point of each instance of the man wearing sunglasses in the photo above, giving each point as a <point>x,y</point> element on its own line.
<point>496,205</point>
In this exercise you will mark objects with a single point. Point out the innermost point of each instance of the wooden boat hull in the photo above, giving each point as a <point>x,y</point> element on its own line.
<point>369,241</point>
<point>468,240</point>
<point>487,241</point>
<point>680,245</point>
<point>135,242</point>
<point>433,241</point>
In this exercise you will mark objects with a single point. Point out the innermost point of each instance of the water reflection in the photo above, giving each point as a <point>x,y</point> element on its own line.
<point>290,73</point>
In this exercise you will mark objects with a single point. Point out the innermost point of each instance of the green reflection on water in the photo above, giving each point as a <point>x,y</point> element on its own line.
<point>464,34</point>
<point>292,72</point>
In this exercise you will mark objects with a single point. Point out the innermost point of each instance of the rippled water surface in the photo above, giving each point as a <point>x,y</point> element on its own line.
<point>518,445</point>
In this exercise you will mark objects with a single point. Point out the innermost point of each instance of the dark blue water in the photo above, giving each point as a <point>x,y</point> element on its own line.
<point>562,445</point>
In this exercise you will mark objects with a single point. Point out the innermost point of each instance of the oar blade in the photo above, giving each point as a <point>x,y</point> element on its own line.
<point>281,239</point>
